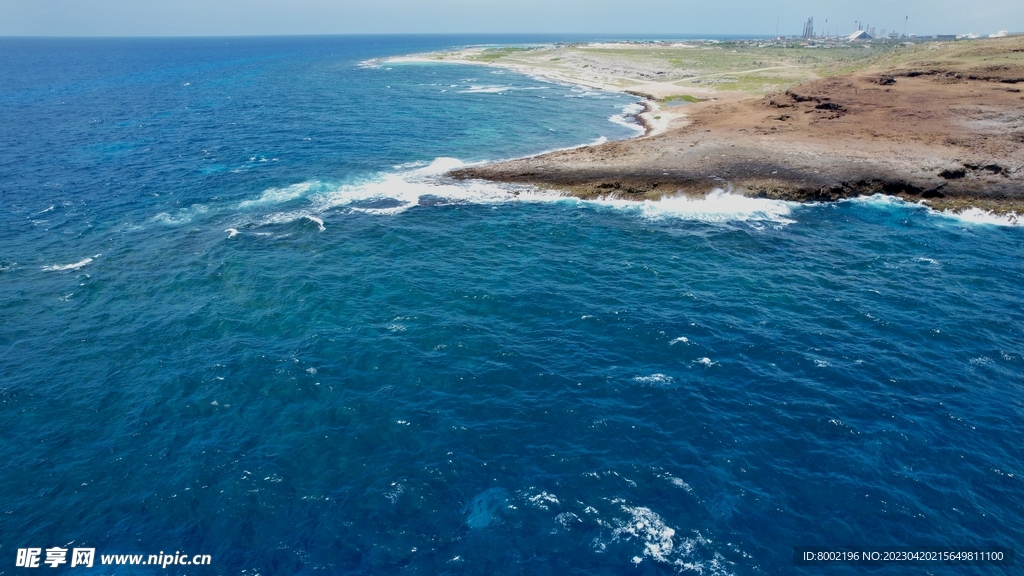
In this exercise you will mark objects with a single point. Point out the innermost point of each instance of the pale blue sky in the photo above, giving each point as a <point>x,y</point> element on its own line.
<point>648,17</point>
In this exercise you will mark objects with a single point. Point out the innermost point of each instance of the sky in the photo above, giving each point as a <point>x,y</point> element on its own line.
<point>653,18</point>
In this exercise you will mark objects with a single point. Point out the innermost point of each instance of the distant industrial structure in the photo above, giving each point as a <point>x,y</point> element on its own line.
<point>868,32</point>
<point>809,28</point>
<point>865,33</point>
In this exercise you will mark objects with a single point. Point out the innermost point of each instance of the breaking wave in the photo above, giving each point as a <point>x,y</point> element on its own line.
<point>969,216</point>
<point>72,266</point>
<point>628,117</point>
<point>393,193</point>
<point>979,216</point>
<point>718,206</point>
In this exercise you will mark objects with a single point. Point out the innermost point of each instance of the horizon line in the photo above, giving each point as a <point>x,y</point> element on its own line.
<point>637,35</point>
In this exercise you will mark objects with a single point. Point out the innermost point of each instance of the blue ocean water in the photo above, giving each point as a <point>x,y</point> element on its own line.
<point>245,316</point>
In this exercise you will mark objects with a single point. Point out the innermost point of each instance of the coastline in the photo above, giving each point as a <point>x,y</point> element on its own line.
<point>651,118</point>
<point>945,130</point>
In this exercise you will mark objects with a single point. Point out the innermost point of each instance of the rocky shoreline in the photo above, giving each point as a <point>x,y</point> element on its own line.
<point>947,132</point>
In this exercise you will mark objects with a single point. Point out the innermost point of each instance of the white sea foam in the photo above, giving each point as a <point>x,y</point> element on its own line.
<point>542,500</point>
<point>440,166</point>
<point>648,527</point>
<point>182,216</point>
<point>662,544</point>
<point>397,192</point>
<point>625,122</point>
<point>627,118</point>
<point>586,93</point>
<point>73,266</point>
<point>654,379</point>
<point>231,232</point>
<point>411,165</point>
<point>287,217</point>
<point>979,216</point>
<point>410,186</point>
<point>278,195</point>
<point>679,483</point>
<point>970,216</point>
<point>633,108</point>
<point>568,520</point>
<point>680,340</point>
<point>485,89</point>
<point>717,206</point>
<point>315,220</point>
<point>879,200</point>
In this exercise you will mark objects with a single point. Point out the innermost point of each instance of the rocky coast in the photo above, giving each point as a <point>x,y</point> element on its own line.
<point>945,126</point>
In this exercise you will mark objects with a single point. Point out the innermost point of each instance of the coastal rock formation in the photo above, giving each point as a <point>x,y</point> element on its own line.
<point>950,132</point>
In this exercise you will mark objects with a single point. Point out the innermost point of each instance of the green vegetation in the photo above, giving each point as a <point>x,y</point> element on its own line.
<point>746,66</point>
<point>683,98</point>
<point>492,54</point>
<point>752,83</point>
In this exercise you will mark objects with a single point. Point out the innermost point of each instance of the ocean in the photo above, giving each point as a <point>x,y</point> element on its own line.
<point>245,317</point>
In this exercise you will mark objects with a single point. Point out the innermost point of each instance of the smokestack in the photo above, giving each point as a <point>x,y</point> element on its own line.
<point>809,28</point>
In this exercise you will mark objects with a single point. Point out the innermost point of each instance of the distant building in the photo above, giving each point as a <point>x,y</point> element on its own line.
<point>809,28</point>
<point>859,35</point>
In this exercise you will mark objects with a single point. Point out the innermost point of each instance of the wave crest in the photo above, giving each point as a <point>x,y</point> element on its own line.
<point>72,266</point>
<point>718,206</point>
<point>417,185</point>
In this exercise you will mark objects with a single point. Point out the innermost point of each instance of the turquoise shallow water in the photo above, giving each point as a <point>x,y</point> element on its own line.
<point>245,317</point>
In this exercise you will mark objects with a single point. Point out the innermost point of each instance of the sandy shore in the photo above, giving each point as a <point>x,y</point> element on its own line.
<point>552,68</point>
<point>656,117</point>
<point>946,128</point>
